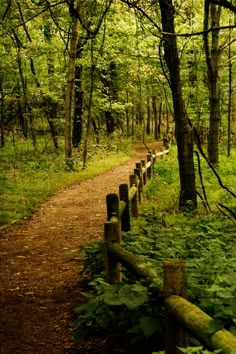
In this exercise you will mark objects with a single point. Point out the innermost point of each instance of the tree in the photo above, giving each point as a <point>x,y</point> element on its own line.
<point>213,58</point>
<point>183,129</point>
<point>83,14</point>
<point>69,98</point>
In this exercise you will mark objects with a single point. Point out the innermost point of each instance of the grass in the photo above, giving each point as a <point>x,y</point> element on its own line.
<point>29,176</point>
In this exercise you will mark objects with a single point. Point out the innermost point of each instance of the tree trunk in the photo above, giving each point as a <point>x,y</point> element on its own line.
<point>51,104</point>
<point>213,79</point>
<point>230,78</point>
<point>148,126</point>
<point>79,99</point>
<point>183,131</point>
<point>2,137</point>
<point>156,120</point>
<point>70,87</point>
<point>109,77</point>
<point>90,103</point>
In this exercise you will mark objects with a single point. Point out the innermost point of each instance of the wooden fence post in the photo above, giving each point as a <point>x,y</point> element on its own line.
<point>112,201</point>
<point>149,170</point>
<point>133,181</point>
<point>143,164</point>
<point>137,172</point>
<point>175,279</point>
<point>113,268</point>
<point>139,167</point>
<point>125,217</point>
<point>154,154</point>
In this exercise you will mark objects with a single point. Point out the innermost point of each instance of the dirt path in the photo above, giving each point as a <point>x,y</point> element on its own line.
<point>38,287</point>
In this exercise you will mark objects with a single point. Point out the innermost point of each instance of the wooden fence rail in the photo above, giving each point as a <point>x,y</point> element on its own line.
<point>182,316</point>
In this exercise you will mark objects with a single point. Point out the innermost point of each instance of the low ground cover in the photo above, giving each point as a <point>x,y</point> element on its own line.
<point>29,175</point>
<point>206,240</point>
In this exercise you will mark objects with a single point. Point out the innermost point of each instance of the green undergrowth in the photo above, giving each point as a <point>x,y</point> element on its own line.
<point>206,240</point>
<point>28,176</point>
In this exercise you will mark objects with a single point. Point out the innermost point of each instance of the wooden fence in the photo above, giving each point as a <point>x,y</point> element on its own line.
<point>182,316</point>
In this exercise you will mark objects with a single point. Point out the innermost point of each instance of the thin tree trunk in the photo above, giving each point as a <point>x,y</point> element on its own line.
<point>155,116</point>
<point>133,121</point>
<point>127,113</point>
<point>89,119</point>
<point>109,89</point>
<point>69,98</point>
<point>183,130</point>
<point>213,62</point>
<point>51,106</point>
<point>79,100</point>
<point>230,96</point>
<point>23,120</point>
<point>2,139</point>
<point>148,126</point>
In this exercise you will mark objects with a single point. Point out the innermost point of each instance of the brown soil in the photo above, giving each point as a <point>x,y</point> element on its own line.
<point>39,288</point>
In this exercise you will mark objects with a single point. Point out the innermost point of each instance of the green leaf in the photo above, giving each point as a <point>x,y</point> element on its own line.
<point>88,308</point>
<point>133,296</point>
<point>149,325</point>
<point>112,299</point>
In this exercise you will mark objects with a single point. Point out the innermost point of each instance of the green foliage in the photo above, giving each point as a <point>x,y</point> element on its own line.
<point>123,309</point>
<point>93,254</point>
<point>195,350</point>
<point>28,175</point>
<point>206,242</point>
<point>198,350</point>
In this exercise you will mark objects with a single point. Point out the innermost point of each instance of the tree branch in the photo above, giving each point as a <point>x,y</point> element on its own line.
<point>224,3</point>
<point>221,207</point>
<point>7,9</point>
<point>206,204</point>
<point>210,165</point>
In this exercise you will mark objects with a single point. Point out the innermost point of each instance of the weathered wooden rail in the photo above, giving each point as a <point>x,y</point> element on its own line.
<point>182,316</point>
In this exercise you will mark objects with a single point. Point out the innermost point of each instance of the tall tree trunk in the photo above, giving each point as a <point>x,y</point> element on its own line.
<point>51,104</point>
<point>230,93</point>
<point>127,113</point>
<point>22,120</point>
<point>213,56</point>
<point>22,112</point>
<point>109,77</point>
<point>183,131</point>
<point>90,103</point>
<point>24,85</point>
<point>132,120</point>
<point>2,137</point>
<point>155,116</point>
<point>69,98</point>
<point>79,99</point>
<point>148,126</point>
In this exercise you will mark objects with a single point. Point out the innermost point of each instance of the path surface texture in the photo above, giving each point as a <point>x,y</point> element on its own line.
<point>38,286</point>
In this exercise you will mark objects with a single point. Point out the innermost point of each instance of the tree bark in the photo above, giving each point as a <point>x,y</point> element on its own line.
<point>148,126</point>
<point>70,87</point>
<point>183,130</point>
<point>79,100</point>
<point>51,104</point>
<point>230,78</point>
<point>109,77</point>
<point>213,54</point>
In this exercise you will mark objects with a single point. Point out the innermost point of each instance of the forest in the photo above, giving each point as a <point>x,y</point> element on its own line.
<point>84,81</point>
<point>76,71</point>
